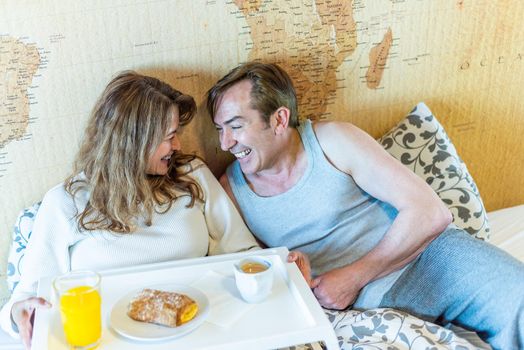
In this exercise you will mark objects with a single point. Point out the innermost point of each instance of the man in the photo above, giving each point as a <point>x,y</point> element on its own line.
<point>375,233</point>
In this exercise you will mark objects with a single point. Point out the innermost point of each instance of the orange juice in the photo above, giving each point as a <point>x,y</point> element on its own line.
<point>80,311</point>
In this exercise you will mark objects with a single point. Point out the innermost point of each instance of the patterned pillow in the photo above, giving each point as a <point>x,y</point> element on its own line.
<point>21,234</point>
<point>420,143</point>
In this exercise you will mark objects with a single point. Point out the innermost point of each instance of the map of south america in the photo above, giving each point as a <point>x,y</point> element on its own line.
<point>18,64</point>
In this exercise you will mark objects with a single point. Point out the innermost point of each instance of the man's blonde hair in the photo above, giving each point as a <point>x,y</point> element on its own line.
<point>126,126</point>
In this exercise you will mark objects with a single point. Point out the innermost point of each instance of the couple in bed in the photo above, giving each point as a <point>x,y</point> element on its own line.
<point>365,231</point>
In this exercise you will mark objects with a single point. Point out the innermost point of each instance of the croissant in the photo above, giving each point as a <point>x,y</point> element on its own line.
<point>164,308</point>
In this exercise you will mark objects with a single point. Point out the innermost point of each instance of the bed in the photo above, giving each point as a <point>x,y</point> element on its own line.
<point>390,329</point>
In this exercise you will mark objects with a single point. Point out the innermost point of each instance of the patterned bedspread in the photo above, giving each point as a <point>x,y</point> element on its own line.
<point>389,329</point>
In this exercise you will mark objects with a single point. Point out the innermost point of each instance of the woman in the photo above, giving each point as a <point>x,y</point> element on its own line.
<point>133,198</point>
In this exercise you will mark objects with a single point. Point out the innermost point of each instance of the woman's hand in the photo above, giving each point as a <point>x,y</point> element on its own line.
<point>302,262</point>
<point>22,314</point>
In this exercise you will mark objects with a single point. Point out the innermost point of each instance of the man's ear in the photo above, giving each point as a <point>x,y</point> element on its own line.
<point>280,120</point>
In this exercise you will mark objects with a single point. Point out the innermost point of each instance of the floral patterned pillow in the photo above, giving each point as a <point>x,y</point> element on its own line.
<point>420,143</point>
<point>393,329</point>
<point>21,234</point>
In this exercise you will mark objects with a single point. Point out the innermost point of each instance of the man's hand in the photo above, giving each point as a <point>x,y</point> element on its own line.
<point>302,262</point>
<point>337,289</point>
<point>22,314</point>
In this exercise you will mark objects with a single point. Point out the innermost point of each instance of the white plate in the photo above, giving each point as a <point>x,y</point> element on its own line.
<point>143,331</point>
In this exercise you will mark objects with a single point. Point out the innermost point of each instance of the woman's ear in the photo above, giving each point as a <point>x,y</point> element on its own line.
<point>280,120</point>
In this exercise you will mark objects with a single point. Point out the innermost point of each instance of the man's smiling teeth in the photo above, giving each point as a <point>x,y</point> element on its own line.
<point>242,154</point>
<point>166,158</point>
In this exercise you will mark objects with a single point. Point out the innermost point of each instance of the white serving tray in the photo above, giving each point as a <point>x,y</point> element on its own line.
<point>8,343</point>
<point>290,316</point>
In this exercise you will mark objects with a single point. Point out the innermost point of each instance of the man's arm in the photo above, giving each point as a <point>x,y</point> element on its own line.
<point>422,216</point>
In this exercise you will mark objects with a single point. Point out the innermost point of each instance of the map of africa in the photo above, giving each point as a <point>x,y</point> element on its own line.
<point>350,60</point>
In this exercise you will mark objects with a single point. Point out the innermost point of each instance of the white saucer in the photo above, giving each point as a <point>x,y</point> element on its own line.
<point>143,331</point>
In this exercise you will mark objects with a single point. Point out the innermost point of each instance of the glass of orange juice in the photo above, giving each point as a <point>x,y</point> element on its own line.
<point>78,295</point>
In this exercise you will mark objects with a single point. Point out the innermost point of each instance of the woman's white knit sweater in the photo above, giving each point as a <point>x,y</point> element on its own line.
<point>208,228</point>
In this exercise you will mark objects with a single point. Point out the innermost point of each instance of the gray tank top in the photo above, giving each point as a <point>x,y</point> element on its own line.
<point>325,215</point>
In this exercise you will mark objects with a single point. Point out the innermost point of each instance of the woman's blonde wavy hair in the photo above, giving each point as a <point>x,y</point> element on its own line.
<point>126,126</point>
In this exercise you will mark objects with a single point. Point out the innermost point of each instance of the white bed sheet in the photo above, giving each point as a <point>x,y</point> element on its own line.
<point>507,230</point>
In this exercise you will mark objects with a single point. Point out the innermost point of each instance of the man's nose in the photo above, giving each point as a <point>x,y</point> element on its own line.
<point>175,143</point>
<point>226,140</point>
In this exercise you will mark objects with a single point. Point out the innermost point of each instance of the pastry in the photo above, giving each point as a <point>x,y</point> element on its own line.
<point>164,308</point>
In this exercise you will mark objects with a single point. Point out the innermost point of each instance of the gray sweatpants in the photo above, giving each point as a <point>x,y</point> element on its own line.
<point>465,281</point>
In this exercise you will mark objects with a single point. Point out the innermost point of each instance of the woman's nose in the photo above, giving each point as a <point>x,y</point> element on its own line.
<point>175,143</point>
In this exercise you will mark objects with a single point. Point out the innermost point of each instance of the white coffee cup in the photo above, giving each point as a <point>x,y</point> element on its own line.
<point>254,278</point>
